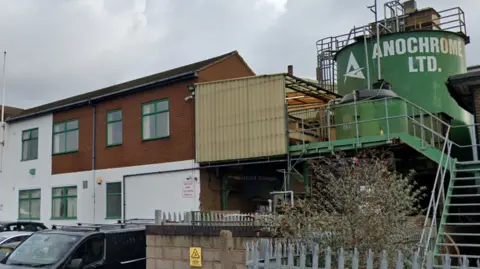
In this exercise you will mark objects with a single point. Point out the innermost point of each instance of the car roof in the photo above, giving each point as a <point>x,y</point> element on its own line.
<point>14,233</point>
<point>3,223</point>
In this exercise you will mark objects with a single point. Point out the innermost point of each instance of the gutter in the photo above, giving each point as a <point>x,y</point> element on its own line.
<point>182,76</point>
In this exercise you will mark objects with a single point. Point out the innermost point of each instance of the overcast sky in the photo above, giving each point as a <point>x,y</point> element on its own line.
<point>60,48</point>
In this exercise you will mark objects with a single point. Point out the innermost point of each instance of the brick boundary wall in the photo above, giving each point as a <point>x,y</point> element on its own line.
<point>168,246</point>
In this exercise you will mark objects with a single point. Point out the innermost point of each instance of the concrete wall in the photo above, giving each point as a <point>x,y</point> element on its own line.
<point>172,251</point>
<point>144,194</point>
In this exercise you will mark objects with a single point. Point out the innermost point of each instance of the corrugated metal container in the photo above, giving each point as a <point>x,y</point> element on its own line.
<point>240,118</point>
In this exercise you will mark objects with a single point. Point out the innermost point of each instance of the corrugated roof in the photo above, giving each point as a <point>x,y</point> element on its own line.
<point>121,87</point>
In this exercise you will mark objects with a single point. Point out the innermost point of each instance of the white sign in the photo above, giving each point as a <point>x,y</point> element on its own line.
<point>188,189</point>
<point>353,69</point>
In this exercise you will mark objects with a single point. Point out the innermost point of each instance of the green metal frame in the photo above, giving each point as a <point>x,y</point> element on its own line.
<point>29,139</point>
<point>29,199</point>
<point>155,112</point>
<point>65,131</point>
<point>108,216</point>
<point>111,122</point>
<point>64,198</point>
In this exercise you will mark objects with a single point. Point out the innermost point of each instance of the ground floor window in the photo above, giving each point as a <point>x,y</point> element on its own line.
<point>64,202</point>
<point>29,204</point>
<point>114,200</point>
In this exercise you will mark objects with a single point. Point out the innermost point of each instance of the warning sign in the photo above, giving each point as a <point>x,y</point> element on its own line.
<point>188,188</point>
<point>195,257</point>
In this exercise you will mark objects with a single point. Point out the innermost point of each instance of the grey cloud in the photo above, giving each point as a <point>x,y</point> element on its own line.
<point>59,48</point>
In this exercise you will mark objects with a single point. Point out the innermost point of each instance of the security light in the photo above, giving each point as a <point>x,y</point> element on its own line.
<point>191,88</point>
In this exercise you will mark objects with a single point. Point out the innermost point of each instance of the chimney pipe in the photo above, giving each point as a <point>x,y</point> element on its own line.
<point>290,70</point>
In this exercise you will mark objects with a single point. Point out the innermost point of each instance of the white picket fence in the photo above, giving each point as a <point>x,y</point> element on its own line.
<point>276,255</point>
<point>201,218</point>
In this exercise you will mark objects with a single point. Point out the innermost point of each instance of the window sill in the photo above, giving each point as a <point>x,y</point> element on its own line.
<point>26,160</point>
<point>114,145</point>
<point>155,138</point>
<point>114,218</point>
<point>63,153</point>
<point>67,218</point>
<point>27,219</point>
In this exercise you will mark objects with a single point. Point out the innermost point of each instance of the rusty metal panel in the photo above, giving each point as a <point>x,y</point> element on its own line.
<point>240,118</point>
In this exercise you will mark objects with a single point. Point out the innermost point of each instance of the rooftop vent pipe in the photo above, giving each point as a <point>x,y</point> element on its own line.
<point>290,70</point>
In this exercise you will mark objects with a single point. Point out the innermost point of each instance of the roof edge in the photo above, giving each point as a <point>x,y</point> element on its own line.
<point>182,76</point>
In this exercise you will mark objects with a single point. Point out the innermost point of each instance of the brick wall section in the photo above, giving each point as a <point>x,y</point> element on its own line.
<point>81,160</point>
<point>476,96</point>
<point>172,252</point>
<point>134,151</point>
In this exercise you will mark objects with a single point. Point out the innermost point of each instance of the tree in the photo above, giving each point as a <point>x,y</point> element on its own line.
<point>355,202</point>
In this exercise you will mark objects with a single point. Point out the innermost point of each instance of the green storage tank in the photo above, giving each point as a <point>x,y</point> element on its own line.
<point>370,105</point>
<point>417,64</point>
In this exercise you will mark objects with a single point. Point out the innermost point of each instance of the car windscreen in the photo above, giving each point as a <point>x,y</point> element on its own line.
<point>42,249</point>
<point>4,252</point>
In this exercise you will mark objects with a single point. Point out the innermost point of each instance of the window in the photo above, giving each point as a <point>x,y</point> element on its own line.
<point>30,144</point>
<point>114,200</point>
<point>156,119</point>
<point>92,251</point>
<point>64,203</point>
<point>29,204</point>
<point>65,137</point>
<point>114,127</point>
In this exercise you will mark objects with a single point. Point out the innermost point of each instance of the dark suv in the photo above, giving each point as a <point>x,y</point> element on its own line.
<point>113,246</point>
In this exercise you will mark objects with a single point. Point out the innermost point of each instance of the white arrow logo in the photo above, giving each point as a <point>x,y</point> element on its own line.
<point>353,69</point>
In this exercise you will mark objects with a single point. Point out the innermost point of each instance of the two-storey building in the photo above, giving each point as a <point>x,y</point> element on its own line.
<point>118,152</point>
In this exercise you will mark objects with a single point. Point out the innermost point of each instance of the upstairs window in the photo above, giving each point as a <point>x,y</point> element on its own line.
<point>65,137</point>
<point>30,144</point>
<point>156,119</point>
<point>114,127</point>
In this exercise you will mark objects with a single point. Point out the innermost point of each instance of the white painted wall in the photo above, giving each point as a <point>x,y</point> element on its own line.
<point>144,194</point>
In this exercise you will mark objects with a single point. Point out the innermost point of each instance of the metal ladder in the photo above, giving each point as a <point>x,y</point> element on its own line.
<point>460,221</point>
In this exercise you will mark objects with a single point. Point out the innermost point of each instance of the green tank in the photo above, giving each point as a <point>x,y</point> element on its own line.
<point>417,64</point>
<point>370,105</point>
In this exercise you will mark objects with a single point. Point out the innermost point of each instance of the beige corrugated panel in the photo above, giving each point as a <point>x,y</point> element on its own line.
<point>240,118</point>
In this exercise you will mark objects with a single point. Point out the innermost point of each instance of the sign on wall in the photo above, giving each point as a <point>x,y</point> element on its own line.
<point>195,257</point>
<point>188,189</point>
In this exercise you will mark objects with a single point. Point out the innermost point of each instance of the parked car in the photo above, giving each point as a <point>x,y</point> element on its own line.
<point>115,246</point>
<point>11,237</point>
<point>7,248</point>
<point>30,226</point>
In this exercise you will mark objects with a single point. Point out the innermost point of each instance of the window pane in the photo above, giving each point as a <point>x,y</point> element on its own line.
<point>57,192</point>
<point>26,135</point>
<point>72,125</point>
<point>163,128</point>
<point>114,188</point>
<point>72,141</point>
<point>114,206</point>
<point>59,143</point>
<point>116,115</point>
<point>114,133</point>
<point>57,208</point>
<point>59,127</point>
<point>35,194</point>
<point>35,208</point>
<point>24,207</point>
<point>148,127</point>
<point>71,191</point>
<point>23,194</point>
<point>162,106</point>
<point>72,207</point>
<point>149,108</point>
<point>34,133</point>
<point>33,149</point>
<point>95,250</point>
<point>25,150</point>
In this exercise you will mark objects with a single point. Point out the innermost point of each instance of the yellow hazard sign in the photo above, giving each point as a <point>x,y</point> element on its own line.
<point>195,257</point>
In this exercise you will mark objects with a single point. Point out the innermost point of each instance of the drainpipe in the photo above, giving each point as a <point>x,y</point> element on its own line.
<point>94,155</point>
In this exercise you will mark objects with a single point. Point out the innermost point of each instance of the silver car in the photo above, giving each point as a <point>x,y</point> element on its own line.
<point>13,236</point>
